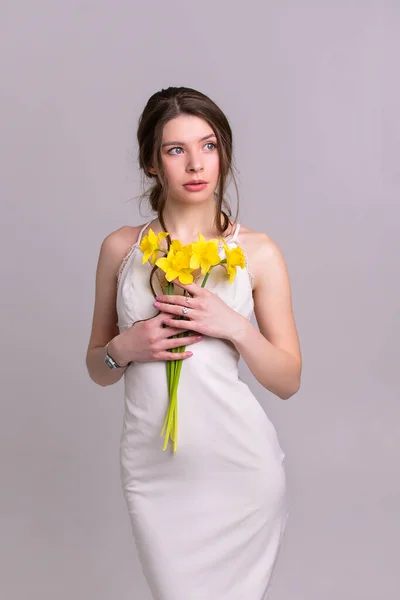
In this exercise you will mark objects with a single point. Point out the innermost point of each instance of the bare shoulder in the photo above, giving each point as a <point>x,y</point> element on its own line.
<point>262,252</point>
<point>252,238</point>
<point>117,244</point>
<point>121,239</point>
<point>114,248</point>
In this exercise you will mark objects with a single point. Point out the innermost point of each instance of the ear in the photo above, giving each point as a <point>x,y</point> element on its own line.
<point>152,170</point>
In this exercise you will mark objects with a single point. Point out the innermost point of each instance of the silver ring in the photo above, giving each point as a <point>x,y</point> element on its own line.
<point>185,310</point>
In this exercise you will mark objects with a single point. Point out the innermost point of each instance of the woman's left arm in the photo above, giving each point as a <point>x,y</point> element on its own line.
<point>272,353</point>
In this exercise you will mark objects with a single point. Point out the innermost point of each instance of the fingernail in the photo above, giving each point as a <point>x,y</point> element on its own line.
<point>199,337</point>
<point>156,304</point>
<point>190,353</point>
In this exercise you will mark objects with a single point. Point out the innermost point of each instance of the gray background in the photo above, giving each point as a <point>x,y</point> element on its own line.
<point>312,92</point>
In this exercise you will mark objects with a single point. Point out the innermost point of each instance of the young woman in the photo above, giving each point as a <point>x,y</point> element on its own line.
<point>207,520</point>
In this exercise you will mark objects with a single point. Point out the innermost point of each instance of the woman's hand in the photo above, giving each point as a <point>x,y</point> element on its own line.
<point>207,313</point>
<point>149,340</point>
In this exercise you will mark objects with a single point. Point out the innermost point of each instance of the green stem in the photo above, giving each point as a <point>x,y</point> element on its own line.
<point>205,278</point>
<point>174,367</point>
<point>170,419</point>
<point>207,275</point>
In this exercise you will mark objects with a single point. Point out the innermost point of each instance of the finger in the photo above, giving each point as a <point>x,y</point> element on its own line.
<point>181,342</point>
<point>170,330</point>
<point>175,355</point>
<point>160,318</point>
<point>178,299</point>
<point>180,323</point>
<point>173,309</point>
<point>192,288</point>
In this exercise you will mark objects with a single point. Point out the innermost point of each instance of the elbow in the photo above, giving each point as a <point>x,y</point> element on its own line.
<point>286,396</point>
<point>289,392</point>
<point>93,378</point>
<point>292,380</point>
<point>100,382</point>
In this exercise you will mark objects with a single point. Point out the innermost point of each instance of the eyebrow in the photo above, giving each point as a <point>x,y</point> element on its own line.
<point>207,137</point>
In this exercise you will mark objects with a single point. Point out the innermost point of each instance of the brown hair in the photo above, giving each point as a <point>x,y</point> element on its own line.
<point>161,108</point>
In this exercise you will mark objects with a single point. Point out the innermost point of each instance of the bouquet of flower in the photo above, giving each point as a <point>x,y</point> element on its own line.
<point>179,263</point>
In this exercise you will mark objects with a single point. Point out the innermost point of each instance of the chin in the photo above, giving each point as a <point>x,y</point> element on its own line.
<point>192,197</point>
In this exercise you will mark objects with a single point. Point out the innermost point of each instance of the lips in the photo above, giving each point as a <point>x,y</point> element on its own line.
<point>195,185</point>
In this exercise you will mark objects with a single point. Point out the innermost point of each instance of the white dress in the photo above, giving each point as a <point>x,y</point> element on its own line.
<point>208,520</point>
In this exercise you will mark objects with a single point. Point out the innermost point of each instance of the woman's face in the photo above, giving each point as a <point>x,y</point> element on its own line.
<point>189,152</point>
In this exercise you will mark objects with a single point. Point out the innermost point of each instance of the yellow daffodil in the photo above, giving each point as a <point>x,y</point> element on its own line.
<point>176,245</point>
<point>150,245</point>
<point>177,263</point>
<point>234,258</point>
<point>204,254</point>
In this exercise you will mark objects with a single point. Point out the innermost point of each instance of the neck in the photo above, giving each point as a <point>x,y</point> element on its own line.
<point>186,223</point>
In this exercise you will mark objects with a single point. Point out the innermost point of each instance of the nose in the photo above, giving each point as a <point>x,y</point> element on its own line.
<point>195,163</point>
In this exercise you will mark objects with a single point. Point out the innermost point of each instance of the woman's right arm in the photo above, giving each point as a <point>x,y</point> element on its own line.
<point>144,341</point>
<point>105,318</point>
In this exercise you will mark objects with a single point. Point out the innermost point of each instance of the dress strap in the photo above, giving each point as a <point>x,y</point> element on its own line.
<point>235,233</point>
<point>141,233</point>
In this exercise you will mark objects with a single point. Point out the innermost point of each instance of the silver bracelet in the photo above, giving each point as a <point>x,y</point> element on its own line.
<point>110,362</point>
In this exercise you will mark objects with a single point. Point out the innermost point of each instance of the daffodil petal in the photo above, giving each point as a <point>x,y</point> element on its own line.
<point>232,275</point>
<point>154,257</point>
<point>176,245</point>
<point>194,261</point>
<point>146,256</point>
<point>185,278</point>
<point>171,275</point>
<point>152,237</point>
<point>163,263</point>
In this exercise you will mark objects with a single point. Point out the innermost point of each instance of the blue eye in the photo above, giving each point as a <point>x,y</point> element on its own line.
<point>176,148</point>
<point>179,149</point>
